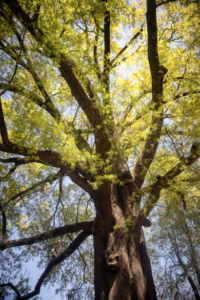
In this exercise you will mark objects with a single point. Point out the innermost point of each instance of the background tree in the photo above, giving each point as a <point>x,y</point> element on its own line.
<point>105,93</point>
<point>177,238</point>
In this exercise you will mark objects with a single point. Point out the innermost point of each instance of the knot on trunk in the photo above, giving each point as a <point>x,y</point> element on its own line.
<point>147,223</point>
<point>112,260</point>
<point>163,70</point>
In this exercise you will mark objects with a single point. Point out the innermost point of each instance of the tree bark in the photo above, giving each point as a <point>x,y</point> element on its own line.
<point>122,267</point>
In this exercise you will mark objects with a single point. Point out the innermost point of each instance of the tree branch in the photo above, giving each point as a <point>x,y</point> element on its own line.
<point>18,162</point>
<point>183,266</point>
<point>67,69</point>
<point>165,181</point>
<point>186,93</point>
<point>3,129</point>
<point>164,2</point>
<point>3,214</point>
<point>98,71</point>
<point>50,178</point>
<point>57,260</point>
<point>7,176</point>
<point>52,157</point>
<point>12,287</point>
<point>47,235</point>
<point>106,46</point>
<point>126,46</point>
<point>46,104</point>
<point>157,75</point>
<point>128,110</point>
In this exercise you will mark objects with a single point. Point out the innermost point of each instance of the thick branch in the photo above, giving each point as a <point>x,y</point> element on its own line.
<point>157,75</point>
<point>46,102</point>
<point>47,235</point>
<point>67,69</point>
<point>106,45</point>
<point>52,157</point>
<point>55,261</point>
<point>152,38</point>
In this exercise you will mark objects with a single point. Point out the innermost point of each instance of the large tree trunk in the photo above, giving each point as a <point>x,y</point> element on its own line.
<point>122,267</point>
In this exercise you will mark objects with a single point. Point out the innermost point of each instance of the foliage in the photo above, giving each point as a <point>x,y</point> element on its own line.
<point>77,96</point>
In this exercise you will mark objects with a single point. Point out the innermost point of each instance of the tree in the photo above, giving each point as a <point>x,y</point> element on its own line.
<point>120,121</point>
<point>177,239</point>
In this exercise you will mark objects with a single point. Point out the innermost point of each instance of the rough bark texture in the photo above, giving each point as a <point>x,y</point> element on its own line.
<point>122,266</point>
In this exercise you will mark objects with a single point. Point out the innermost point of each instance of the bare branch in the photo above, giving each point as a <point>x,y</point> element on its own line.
<point>129,108</point>
<point>126,46</point>
<point>164,2</point>
<point>47,235</point>
<point>56,261</point>
<point>12,287</point>
<point>59,197</point>
<point>186,93</point>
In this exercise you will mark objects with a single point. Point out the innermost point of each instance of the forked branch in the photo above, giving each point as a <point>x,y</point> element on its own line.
<point>53,262</point>
<point>53,158</point>
<point>12,287</point>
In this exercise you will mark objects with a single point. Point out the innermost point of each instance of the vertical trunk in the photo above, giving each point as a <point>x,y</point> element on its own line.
<point>146,266</point>
<point>122,267</point>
